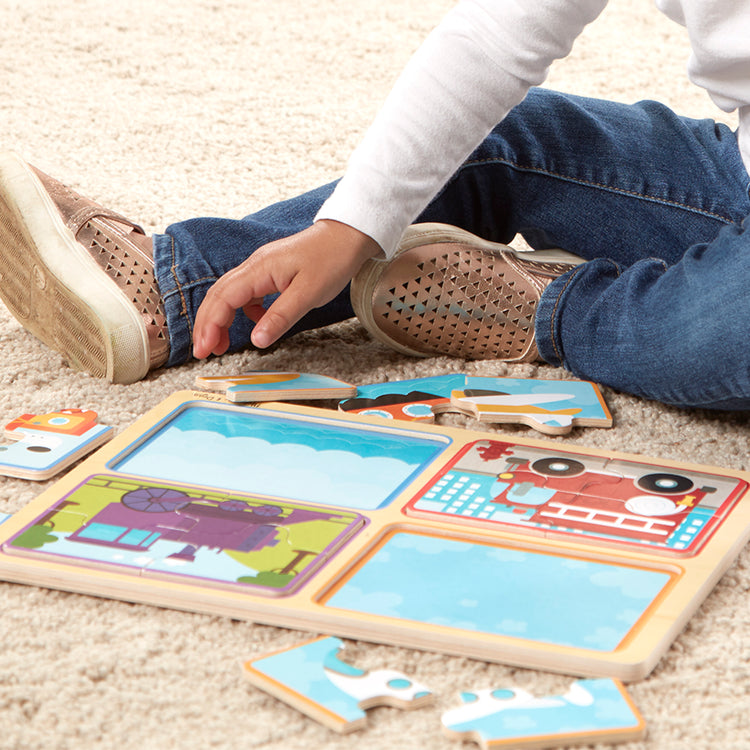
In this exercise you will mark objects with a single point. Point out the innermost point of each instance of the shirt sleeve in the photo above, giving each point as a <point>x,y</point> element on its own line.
<point>719,32</point>
<point>469,73</point>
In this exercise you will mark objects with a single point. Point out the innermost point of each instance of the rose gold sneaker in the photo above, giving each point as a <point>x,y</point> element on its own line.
<point>448,292</point>
<point>78,276</point>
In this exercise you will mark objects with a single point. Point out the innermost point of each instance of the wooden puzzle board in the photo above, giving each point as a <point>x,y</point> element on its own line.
<point>515,550</point>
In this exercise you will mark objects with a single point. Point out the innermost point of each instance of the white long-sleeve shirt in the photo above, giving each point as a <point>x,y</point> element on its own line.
<point>475,67</point>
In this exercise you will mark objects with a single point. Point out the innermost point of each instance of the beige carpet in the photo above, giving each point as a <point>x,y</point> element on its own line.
<point>180,108</point>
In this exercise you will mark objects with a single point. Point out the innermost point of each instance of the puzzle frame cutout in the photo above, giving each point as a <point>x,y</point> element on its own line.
<point>311,519</point>
<point>552,407</point>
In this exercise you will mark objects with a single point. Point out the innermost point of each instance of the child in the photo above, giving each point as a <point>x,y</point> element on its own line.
<point>654,207</point>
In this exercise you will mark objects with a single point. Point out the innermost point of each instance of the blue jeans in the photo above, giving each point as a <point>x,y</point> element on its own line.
<point>659,206</point>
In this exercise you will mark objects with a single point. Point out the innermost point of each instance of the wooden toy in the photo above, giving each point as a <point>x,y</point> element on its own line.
<point>42,445</point>
<point>276,386</point>
<point>312,678</point>
<point>591,712</point>
<point>549,406</point>
<point>583,561</point>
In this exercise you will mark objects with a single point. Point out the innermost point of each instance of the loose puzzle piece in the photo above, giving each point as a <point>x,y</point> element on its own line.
<point>312,678</point>
<point>46,444</point>
<point>417,400</point>
<point>549,406</point>
<point>276,386</point>
<point>591,712</point>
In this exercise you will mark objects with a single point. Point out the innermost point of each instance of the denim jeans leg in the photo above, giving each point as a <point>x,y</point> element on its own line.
<point>599,179</point>
<point>674,333</point>
<point>191,255</point>
<point>656,203</point>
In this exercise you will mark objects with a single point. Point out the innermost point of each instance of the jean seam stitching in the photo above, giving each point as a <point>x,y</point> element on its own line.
<point>600,186</point>
<point>568,281</point>
<point>178,289</point>
<point>196,282</point>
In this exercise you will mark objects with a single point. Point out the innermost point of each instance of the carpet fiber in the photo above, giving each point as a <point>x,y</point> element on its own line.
<point>174,109</point>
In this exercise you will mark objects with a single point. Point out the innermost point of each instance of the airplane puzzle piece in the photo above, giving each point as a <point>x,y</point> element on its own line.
<point>545,412</point>
<point>41,446</point>
<point>276,386</point>
<point>312,678</point>
<point>592,711</point>
<point>549,406</point>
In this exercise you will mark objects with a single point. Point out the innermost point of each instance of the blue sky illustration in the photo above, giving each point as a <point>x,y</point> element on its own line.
<point>608,710</point>
<point>16,454</point>
<point>247,450</point>
<point>302,670</point>
<point>208,562</point>
<point>503,591</point>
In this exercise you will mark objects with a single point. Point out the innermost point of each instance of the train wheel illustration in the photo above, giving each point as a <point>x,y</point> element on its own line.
<point>233,505</point>
<point>155,500</point>
<point>268,511</point>
<point>665,484</point>
<point>558,466</point>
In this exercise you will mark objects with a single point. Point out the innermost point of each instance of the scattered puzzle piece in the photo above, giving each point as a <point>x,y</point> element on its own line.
<point>549,406</point>
<point>276,386</point>
<point>525,408</point>
<point>313,679</point>
<point>592,711</point>
<point>44,445</point>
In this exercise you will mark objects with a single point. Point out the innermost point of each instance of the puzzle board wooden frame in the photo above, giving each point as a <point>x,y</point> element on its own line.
<point>354,527</point>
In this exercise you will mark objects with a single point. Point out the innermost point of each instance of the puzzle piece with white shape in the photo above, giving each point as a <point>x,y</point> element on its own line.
<point>312,678</point>
<point>42,445</point>
<point>549,406</point>
<point>592,711</point>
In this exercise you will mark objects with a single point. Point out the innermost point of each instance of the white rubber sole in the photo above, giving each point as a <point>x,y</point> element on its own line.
<point>56,290</point>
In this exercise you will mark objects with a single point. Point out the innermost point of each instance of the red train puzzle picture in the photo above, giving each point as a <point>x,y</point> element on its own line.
<point>592,497</point>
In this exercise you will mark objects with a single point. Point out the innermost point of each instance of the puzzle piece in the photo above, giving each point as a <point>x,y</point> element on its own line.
<point>44,445</point>
<point>416,400</point>
<point>526,408</point>
<point>276,386</point>
<point>312,678</point>
<point>552,407</point>
<point>591,712</point>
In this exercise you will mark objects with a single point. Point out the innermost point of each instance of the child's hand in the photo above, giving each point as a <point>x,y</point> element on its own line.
<point>309,269</point>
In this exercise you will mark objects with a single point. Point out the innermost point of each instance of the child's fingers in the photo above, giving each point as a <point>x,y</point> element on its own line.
<point>216,313</point>
<point>307,269</point>
<point>296,300</point>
